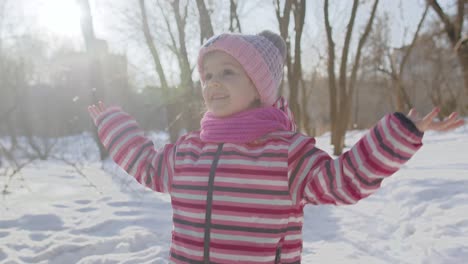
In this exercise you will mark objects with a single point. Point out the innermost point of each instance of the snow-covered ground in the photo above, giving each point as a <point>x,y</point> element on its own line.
<point>52,214</point>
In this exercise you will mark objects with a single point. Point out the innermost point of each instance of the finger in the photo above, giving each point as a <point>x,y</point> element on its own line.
<point>448,124</point>
<point>428,119</point>
<point>101,106</point>
<point>449,121</point>
<point>91,108</point>
<point>413,115</point>
<point>90,111</point>
<point>456,124</point>
<point>93,111</point>
<point>453,115</point>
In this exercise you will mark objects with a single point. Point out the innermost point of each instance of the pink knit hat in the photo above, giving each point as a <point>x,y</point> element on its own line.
<point>262,57</point>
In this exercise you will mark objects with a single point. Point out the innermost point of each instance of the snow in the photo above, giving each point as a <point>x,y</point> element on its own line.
<point>53,214</point>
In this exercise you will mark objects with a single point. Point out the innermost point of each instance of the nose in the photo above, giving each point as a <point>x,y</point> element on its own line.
<point>213,83</point>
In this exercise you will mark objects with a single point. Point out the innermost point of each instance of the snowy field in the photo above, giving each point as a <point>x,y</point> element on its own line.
<point>53,214</point>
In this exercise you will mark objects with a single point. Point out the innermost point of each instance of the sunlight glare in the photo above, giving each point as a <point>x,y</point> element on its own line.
<point>60,17</point>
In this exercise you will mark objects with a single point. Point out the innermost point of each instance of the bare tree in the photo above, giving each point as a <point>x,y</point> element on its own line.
<point>234,23</point>
<point>454,30</point>
<point>152,47</point>
<point>172,111</point>
<point>440,90</point>
<point>206,27</point>
<point>185,91</point>
<point>283,18</point>
<point>12,166</point>
<point>439,78</point>
<point>190,117</point>
<point>305,95</point>
<point>342,90</point>
<point>397,63</point>
<point>95,76</point>
<point>293,61</point>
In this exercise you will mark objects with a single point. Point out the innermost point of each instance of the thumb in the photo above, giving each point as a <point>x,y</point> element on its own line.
<point>413,114</point>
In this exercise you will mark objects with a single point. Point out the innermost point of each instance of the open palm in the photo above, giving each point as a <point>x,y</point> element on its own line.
<point>95,111</point>
<point>428,122</point>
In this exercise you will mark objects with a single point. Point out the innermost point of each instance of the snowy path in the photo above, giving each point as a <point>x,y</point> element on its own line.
<point>420,215</point>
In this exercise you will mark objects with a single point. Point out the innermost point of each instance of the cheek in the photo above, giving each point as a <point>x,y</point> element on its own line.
<point>204,91</point>
<point>250,89</point>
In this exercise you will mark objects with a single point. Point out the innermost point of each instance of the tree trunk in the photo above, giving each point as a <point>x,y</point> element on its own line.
<point>403,101</point>
<point>234,23</point>
<point>206,28</point>
<point>95,82</point>
<point>462,54</point>
<point>345,111</point>
<point>343,96</point>
<point>341,99</point>
<point>189,118</point>
<point>295,67</point>
<point>305,93</point>
<point>331,75</point>
<point>151,46</point>
<point>171,105</point>
<point>283,22</point>
<point>293,62</point>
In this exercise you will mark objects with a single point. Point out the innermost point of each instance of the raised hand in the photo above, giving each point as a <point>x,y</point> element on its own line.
<point>428,123</point>
<point>95,111</point>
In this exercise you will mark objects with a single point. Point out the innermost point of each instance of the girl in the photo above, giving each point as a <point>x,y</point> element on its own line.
<point>239,185</point>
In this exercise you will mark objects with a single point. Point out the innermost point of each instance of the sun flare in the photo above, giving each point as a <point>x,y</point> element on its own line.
<point>60,17</point>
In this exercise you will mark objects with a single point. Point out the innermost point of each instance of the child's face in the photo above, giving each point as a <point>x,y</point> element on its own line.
<point>228,89</point>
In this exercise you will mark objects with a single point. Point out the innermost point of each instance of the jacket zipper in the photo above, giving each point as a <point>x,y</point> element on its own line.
<point>278,255</point>
<point>209,202</point>
<point>278,251</point>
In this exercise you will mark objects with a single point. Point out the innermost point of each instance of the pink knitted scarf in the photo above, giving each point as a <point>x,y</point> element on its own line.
<point>245,126</point>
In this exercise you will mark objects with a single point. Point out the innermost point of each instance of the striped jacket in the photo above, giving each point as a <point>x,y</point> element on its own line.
<point>244,202</point>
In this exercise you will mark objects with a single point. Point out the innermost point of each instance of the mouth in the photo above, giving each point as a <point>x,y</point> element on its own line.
<point>218,97</point>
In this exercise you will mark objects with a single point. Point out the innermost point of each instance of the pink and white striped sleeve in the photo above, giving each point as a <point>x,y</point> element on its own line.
<point>133,152</point>
<point>317,178</point>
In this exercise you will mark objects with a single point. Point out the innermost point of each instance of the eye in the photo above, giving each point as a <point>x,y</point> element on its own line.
<point>208,76</point>
<point>228,72</point>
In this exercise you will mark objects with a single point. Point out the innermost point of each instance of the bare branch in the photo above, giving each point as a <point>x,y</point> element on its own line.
<point>361,43</point>
<point>346,101</point>
<point>173,45</point>
<point>449,26</point>
<point>344,55</point>
<point>413,42</point>
<point>185,14</point>
<point>186,77</point>
<point>79,169</point>
<point>383,70</point>
<point>15,166</point>
<point>152,46</point>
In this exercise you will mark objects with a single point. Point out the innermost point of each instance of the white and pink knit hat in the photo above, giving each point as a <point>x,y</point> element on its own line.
<point>262,57</point>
